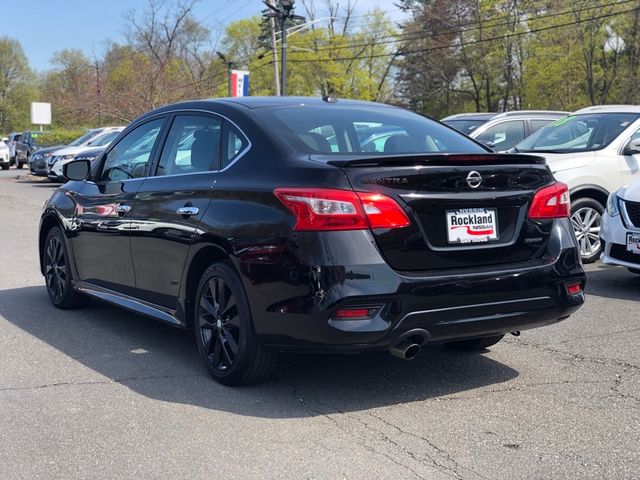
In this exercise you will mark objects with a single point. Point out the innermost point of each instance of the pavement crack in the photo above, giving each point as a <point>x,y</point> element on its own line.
<point>430,461</point>
<point>600,335</point>
<point>617,384</point>
<point>94,382</point>
<point>577,356</point>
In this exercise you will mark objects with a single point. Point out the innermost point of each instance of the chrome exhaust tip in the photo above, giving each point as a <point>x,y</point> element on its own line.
<point>405,350</point>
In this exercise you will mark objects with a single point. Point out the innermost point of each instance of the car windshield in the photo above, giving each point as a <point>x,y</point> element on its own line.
<point>104,139</point>
<point>335,130</point>
<point>465,126</point>
<point>81,140</point>
<point>578,133</point>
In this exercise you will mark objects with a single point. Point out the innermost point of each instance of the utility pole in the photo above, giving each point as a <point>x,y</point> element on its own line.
<point>98,94</point>
<point>229,64</point>
<point>274,46</point>
<point>283,13</point>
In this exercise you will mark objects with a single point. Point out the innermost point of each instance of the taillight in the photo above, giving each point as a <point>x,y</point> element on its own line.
<point>550,202</point>
<point>332,209</point>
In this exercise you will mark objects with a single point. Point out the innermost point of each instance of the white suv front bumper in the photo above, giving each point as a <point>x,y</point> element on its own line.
<point>614,234</point>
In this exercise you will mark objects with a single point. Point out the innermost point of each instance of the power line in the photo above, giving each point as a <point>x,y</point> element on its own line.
<point>461,44</point>
<point>412,36</point>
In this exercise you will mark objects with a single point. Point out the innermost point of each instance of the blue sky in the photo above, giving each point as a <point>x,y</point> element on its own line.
<point>46,26</point>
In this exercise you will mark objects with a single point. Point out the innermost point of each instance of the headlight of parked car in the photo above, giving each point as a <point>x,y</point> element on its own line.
<point>612,204</point>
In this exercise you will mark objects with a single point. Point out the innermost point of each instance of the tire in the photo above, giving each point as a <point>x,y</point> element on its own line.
<point>58,273</point>
<point>586,220</point>
<point>634,270</point>
<point>5,166</point>
<point>474,344</point>
<point>226,340</point>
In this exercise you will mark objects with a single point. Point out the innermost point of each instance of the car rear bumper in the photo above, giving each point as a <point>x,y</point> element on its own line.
<point>298,310</point>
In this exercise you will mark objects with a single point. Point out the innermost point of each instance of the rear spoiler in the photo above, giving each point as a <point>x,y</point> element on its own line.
<point>429,159</point>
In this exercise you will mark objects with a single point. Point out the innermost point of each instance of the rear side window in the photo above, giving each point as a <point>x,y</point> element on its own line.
<point>335,130</point>
<point>538,124</point>
<point>192,145</point>
<point>234,144</point>
<point>503,136</point>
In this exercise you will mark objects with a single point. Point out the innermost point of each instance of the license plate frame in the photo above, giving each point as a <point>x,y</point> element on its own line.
<point>472,226</point>
<point>633,243</point>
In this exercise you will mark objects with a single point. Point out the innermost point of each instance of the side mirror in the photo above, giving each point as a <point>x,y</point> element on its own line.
<point>632,147</point>
<point>77,170</point>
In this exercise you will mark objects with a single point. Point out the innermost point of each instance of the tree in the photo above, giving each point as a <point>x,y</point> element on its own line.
<point>17,86</point>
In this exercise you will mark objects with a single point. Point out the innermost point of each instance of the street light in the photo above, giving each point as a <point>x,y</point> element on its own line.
<point>282,13</point>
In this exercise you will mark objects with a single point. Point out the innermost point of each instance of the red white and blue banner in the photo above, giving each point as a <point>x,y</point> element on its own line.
<point>239,83</point>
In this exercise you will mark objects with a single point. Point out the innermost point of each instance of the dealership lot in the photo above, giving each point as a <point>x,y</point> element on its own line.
<point>101,393</point>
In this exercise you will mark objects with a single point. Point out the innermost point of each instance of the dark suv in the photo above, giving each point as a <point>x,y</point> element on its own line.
<point>263,224</point>
<point>26,146</point>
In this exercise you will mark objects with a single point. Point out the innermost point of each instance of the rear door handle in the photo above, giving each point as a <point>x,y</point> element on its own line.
<point>188,211</point>
<point>122,209</point>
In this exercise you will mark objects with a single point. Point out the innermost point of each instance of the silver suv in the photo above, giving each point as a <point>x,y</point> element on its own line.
<point>506,130</point>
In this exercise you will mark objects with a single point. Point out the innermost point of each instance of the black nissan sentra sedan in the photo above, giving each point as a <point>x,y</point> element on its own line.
<point>280,224</point>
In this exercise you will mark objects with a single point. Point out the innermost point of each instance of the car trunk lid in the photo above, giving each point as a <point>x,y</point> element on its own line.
<point>466,210</point>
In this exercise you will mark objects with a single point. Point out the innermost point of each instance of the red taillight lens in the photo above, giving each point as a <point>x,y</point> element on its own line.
<point>353,313</point>
<point>382,211</point>
<point>550,202</point>
<point>574,288</point>
<point>332,209</point>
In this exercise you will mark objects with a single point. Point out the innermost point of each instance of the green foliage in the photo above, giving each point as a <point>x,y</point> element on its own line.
<point>447,57</point>
<point>509,54</point>
<point>17,86</point>
<point>59,137</point>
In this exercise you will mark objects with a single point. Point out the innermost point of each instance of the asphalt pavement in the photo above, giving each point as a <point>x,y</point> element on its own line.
<point>101,393</point>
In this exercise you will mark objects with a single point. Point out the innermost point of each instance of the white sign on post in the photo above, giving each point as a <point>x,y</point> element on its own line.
<point>40,113</point>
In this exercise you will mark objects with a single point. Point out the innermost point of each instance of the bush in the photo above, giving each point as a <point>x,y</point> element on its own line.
<point>59,137</point>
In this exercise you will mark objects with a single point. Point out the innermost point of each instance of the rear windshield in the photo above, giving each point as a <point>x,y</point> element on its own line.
<point>578,133</point>
<point>104,139</point>
<point>465,126</point>
<point>81,140</point>
<point>336,130</point>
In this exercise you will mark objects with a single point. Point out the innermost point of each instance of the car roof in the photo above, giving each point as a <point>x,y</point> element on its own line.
<point>262,102</point>
<point>241,103</point>
<point>609,109</point>
<point>531,113</point>
<point>470,116</point>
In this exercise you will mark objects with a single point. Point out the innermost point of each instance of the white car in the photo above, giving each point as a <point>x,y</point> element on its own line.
<point>67,154</point>
<point>595,152</point>
<point>621,228</point>
<point>5,158</point>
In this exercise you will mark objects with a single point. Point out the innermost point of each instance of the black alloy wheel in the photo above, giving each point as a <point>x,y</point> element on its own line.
<point>55,265</point>
<point>224,329</point>
<point>57,273</point>
<point>219,323</point>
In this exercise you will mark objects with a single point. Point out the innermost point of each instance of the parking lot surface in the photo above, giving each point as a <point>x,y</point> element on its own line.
<point>103,393</point>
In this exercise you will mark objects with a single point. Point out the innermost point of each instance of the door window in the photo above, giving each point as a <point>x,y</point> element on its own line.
<point>503,136</point>
<point>537,125</point>
<point>192,145</point>
<point>130,157</point>
<point>234,145</point>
